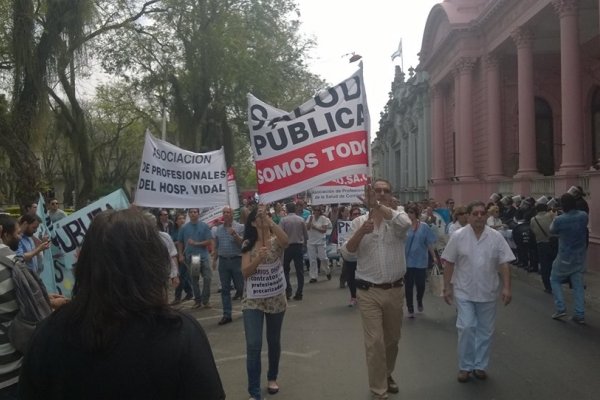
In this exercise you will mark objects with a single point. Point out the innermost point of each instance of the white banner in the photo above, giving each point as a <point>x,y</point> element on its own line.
<point>234,199</point>
<point>325,138</point>
<point>343,190</point>
<point>176,178</point>
<point>267,281</point>
<point>343,228</point>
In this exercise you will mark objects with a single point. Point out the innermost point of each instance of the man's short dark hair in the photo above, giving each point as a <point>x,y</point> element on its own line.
<point>474,204</point>
<point>568,202</point>
<point>541,207</point>
<point>29,219</point>
<point>384,181</point>
<point>8,224</point>
<point>290,207</point>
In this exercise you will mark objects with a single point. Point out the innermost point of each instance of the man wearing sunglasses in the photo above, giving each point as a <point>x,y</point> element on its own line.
<point>376,240</point>
<point>55,213</point>
<point>474,257</point>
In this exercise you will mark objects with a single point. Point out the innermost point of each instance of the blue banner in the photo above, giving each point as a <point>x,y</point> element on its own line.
<point>67,236</point>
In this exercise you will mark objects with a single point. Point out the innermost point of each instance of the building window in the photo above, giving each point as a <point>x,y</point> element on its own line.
<point>544,137</point>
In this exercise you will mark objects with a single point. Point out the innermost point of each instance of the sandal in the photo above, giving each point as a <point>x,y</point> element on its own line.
<point>272,387</point>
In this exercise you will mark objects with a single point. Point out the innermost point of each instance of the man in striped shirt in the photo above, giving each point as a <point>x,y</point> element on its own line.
<point>10,364</point>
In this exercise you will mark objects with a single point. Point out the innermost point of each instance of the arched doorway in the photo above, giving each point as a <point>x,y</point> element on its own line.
<point>544,137</point>
<point>595,111</point>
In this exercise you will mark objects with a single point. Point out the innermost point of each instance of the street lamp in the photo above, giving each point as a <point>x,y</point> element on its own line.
<point>353,57</point>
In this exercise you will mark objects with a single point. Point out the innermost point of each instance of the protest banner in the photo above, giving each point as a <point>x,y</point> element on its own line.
<point>176,178</point>
<point>267,281</point>
<point>67,235</point>
<point>212,215</point>
<point>343,190</point>
<point>343,228</point>
<point>234,200</point>
<point>325,138</point>
<point>44,230</point>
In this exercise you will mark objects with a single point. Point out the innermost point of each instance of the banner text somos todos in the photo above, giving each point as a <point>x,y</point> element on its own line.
<point>323,139</point>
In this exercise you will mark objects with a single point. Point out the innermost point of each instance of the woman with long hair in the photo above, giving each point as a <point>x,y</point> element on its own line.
<point>264,297</point>
<point>118,337</point>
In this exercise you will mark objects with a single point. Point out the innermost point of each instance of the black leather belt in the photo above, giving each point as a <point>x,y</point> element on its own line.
<point>360,284</point>
<point>229,258</point>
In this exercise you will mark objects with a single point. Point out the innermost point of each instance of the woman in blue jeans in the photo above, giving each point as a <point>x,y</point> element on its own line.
<point>420,241</point>
<point>264,297</point>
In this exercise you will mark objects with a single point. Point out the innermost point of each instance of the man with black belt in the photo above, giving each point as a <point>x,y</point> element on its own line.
<point>377,242</point>
<point>295,228</point>
<point>228,248</point>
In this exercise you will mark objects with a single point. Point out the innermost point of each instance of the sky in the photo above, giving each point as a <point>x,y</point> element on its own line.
<point>372,29</point>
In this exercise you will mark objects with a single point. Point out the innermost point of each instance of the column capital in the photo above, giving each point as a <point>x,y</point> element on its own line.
<point>566,8</point>
<point>435,91</point>
<point>465,65</point>
<point>522,37</point>
<point>492,61</point>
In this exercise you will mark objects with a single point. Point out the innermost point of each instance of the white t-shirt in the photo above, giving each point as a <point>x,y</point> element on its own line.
<point>168,242</point>
<point>314,236</point>
<point>476,263</point>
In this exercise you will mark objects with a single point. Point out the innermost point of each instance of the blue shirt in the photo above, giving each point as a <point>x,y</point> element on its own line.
<point>416,246</point>
<point>198,232</point>
<point>27,245</point>
<point>571,229</point>
<point>226,244</point>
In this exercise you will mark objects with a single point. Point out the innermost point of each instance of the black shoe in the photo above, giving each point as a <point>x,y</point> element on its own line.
<point>225,320</point>
<point>175,302</point>
<point>197,304</point>
<point>328,277</point>
<point>312,281</point>
<point>237,296</point>
<point>298,297</point>
<point>188,297</point>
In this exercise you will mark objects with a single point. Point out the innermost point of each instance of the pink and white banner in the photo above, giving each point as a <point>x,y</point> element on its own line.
<point>324,139</point>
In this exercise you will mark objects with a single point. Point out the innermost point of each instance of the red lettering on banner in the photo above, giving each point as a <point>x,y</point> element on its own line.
<point>319,158</point>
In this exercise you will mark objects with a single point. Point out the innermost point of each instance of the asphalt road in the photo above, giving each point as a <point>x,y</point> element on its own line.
<point>533,356</point>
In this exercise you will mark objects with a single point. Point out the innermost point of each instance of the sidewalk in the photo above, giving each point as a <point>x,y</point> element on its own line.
<point>591,279</point>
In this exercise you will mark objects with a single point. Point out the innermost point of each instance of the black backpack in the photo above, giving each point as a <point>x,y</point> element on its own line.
<point>32,299</point>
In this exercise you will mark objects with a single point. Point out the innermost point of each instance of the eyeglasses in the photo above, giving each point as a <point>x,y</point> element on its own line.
<point>478,213</point>
<point>382,190</point>
<point>355,214</point>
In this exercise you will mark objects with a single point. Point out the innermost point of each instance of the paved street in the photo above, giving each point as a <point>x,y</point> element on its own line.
<point>534,357</point>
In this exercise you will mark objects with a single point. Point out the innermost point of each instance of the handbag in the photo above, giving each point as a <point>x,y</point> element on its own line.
<point>436,281</point>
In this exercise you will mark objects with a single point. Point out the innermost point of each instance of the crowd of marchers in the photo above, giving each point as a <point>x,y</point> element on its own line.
<point>137,267</point>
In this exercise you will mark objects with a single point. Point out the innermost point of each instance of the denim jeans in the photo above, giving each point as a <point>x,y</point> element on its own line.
<point>475,323</point>
<point>185,283</point>
<point>253,327</point>
<point>414,277</point>
<point>547,254</point>
<point>349,274</point>
<point>576,279</point>
<point>230,269</point>
<point>293,253</point>
<point>195,273</point>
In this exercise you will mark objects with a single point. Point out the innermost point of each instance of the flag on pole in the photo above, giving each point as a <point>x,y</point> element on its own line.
<point>398,53</point>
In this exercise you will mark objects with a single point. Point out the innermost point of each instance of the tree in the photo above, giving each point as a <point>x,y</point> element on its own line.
<point>200,59</point>
<point>47,48</point>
